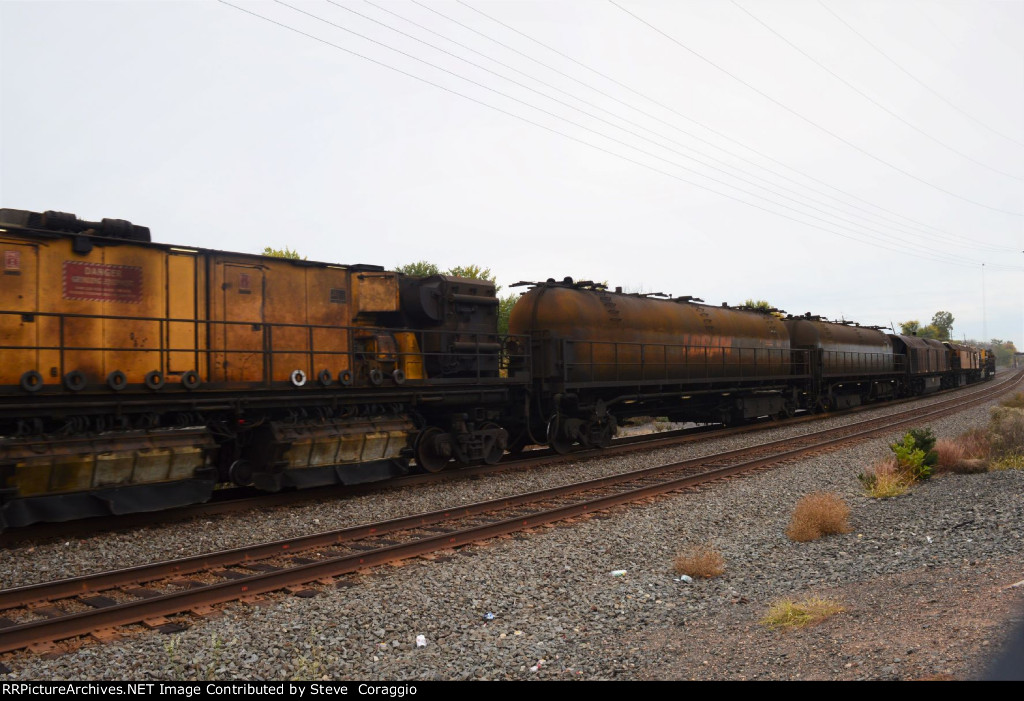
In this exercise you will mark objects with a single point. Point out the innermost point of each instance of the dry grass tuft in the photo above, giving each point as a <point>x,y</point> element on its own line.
<point>818,514</point>
<point>1012,461</point>
<point>976,443</point>
<point>700,562</point>
<point>964,455</point>
<point>1016,401</point>
<point>883,479</point>
<point>1006,431</point>
<point>796,614</point>
<point>889,485</point>
<point>950,456</point>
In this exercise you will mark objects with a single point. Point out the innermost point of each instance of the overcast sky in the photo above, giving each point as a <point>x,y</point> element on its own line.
<point>849,158</point>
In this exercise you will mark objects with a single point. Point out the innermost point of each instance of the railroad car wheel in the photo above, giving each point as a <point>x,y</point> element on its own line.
<point>497,450</point>
<point>557,439</point>
<point>430,449</point>
<point>240,473</point>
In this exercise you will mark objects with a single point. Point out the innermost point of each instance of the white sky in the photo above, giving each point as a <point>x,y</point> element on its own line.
<point>217,128</point>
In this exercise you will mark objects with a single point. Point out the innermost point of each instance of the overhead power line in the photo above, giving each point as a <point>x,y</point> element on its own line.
<point>807,119</point>
<point>903,229</point>
<point>923,254</point>
<point>968,241</point>
<point>870,99</point>
<point>917,80</point>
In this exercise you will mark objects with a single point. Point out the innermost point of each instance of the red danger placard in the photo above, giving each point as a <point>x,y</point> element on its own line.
<point>12,260</point>
<point>99,282</point>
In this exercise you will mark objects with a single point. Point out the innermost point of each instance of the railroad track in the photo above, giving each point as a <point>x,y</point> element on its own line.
<point>34,617</point>
<point>242,499</point>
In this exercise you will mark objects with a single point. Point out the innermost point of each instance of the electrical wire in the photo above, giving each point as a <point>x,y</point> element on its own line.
<point>870,99</point>
<point>633,133</point>
<point>921,225</point>
<point>929,255</point>
<point>916,79</point>
<point>808,120</point>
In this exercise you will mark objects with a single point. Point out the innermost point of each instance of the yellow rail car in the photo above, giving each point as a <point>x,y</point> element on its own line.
<point>138,375</point>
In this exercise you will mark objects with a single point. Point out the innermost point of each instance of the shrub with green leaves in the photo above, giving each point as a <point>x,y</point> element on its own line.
<point>925,440</point>
<point>911,459</point>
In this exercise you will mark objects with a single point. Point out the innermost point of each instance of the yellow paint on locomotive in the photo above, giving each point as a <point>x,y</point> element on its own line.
<point>110,461</point>
<point>62,296</point>
<point>374,292</point>
<point>410,360</point>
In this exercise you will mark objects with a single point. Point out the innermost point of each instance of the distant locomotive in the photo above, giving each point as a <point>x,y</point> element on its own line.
<point>139,376</point>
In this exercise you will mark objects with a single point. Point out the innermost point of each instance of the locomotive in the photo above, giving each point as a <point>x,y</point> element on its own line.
<point>140,376</point>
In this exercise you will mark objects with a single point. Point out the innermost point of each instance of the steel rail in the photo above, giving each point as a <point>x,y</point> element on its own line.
<point>50,591</point>
<point>26,634</point>
<point>545,456</point>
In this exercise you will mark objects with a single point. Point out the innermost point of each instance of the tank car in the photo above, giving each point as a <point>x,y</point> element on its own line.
<point>848,364</point>
<point>139,375</point>
<point>598,356</point>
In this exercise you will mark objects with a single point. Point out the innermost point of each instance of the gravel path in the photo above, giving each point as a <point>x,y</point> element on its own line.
<point>922,579</point>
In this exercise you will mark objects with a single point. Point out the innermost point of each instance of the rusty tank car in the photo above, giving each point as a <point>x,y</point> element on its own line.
<point>599,355</point>
<point>848,363</point>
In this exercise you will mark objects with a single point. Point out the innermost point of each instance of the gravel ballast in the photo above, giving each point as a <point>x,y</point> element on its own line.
<point>923,578</point>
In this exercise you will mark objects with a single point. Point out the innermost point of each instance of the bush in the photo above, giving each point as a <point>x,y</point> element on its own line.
<point>924,440</point>
<point>818,514</point>
<point>1006,431</point>
<point>1016,401</point>
<point>701,561</point>
<point>912,459</point>
<point>795,614</point>
<point>976,443</point>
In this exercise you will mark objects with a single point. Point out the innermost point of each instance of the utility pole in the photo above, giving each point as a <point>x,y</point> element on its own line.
<point>984,311</point>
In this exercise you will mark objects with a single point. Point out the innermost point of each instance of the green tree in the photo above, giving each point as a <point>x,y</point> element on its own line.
<point>505,305</point>
<point>930,331</point>
<point>910,328</point>
<point>1004,351</point>
<point>943,323</point>
<point>282,253</point>
<point>474,272</point>
<point>420,268</point>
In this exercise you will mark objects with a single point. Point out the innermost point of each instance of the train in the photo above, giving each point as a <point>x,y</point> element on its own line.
<point>142,376</point>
